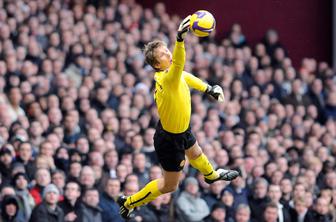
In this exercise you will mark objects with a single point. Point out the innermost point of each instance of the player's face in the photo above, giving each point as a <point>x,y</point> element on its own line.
<point>164,57</point>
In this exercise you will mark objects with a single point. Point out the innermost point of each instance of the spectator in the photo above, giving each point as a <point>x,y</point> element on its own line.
<point>71,205</point>
<point>286,189</point>
<point>214,194</point>
<point>258,199</point>
<point>189,205</point>
<point>217,214</point>
<point>228,200</point>
<point>148,147</point>
<point>301,212</point>
<point>110,209</point>
<point>139,162</point>
<point>111,160</point>
<point>274,194</point>
<point>15,97</point>
<point>239,190</point>
<point>243,213</point>
<point>6,190</point>
<point>155,172</point>
<point>10,210</point>
<point>321,211</point>
<point>271,42</point>
<point>48,209</point>
<point>75,169</point>
<point>72,130</point>
<point>6,160</point>
<point>58,178</point>
<point>62,158</point>
<point>160,209</point>
<point>91,210</point>
<point>25,156</point>
<point>317,97</point>
<point>87,177</point>
<point>297,97</point>
<point>270,213</point>
<point>35,132</point>
<point>330,107</point>
<point>42,178</point>
<point>26,202</point>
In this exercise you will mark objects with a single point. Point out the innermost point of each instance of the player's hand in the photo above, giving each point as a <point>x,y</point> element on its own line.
<point>183,29</point>
<point>216,92</point>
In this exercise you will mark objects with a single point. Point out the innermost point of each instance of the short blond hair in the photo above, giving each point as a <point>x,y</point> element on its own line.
<point>149,52</point>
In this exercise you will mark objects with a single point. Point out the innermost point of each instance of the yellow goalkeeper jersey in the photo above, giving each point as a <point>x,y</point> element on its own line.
<point>172,93</point>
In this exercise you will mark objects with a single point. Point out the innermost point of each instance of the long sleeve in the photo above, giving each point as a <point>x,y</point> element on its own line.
<point>194,82</point>
<point>175,71</point>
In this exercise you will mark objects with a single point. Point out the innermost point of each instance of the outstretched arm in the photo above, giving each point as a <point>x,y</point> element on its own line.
<point>215,91</point>
<point>175,71</point>
<point>195,82</point>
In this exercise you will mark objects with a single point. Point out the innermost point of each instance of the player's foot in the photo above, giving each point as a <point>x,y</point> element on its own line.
<point>124,211</point>
<point>226,175</point>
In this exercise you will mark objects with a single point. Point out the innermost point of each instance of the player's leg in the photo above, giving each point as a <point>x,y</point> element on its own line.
<point>199,161</point>
<point>168,183</point>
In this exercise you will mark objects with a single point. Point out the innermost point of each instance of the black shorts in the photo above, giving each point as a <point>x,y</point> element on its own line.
<point>170,147</point>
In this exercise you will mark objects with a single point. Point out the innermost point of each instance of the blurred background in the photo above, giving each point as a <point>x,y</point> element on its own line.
<point>77,114</point>
<point>305,27</point>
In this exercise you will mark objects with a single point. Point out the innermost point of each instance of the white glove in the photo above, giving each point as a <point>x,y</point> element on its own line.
<point>183,29</point>
<point>216,92</point>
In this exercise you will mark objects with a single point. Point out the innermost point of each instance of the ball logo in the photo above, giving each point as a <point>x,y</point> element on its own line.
<point>197,27</point>
<point>200,14</point>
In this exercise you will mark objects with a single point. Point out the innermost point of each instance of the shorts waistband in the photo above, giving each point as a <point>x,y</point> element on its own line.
<point>159,126</point>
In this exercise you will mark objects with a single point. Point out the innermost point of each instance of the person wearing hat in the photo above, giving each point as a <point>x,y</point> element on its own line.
<point>10,210</point>
<point>190,206</point>
<point>48,210</point>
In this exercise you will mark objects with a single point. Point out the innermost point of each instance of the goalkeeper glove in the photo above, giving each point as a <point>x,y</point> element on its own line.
<point>183,29</point>
<point>216,92</point>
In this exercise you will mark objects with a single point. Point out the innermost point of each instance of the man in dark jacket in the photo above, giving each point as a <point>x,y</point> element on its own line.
<point>297,97</point>
<point>48,209</point>
<point>300,212</point>
<point>10,210</point>
<point>71,205</point>
<point>258,200</point>
<point>91,210</point>
<point>270,213</point>
<point>321,212</point>
<point>317,97</point>
<point>6,163</point>
<point>107,202</point>
<point>274,195</point>
<point>25,157</point>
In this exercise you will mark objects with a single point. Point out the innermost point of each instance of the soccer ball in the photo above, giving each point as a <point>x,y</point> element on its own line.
<point>202,23</point>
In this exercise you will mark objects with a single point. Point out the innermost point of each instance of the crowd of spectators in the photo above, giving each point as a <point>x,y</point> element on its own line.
<point>77,119</point>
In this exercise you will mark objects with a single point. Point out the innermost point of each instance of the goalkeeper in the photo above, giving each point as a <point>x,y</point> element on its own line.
<point>173,138</point>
